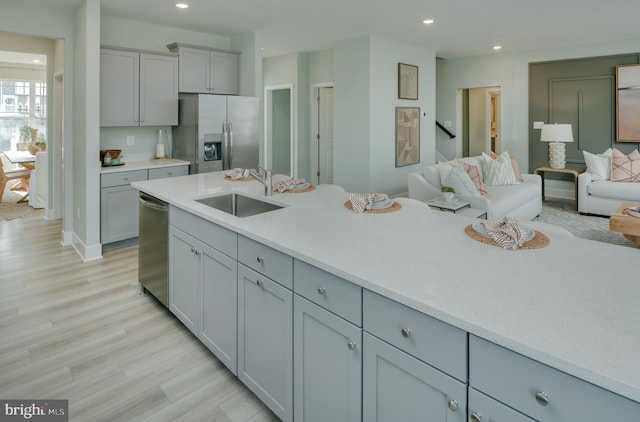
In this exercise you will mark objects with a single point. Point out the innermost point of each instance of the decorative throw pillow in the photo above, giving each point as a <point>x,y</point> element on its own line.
<point>625,168</point>
<point>514,164</point>
<point>599,165</point>
<point>498,172</point>
<point>475,176</point>
<point>454,176</point>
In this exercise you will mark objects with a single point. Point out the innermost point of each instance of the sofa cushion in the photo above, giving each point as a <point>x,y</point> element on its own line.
<point>475,175</point>
<point>514,164</point>
<point>614,190</point>
<point>432,174</point>
<point>625,168</point>
<point>498,172</point>
<point>599,165</point>
<point>506,198</point>
<point>455,176</point>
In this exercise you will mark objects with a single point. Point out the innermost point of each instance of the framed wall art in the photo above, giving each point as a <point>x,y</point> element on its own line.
<point>407,81</point>
<point>407,136</point>
<point>628,103</point>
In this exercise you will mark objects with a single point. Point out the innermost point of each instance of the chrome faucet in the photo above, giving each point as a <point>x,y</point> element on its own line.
<point>264,179</point>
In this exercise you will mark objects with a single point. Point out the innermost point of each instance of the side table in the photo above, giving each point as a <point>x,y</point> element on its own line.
<point>567,170</point>
<point>456,206</point>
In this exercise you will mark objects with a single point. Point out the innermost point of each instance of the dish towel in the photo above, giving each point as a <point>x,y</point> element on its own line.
<point>286,184</point>
<point>238,173</point>
<point>363,201</point>
<point>505,233</point>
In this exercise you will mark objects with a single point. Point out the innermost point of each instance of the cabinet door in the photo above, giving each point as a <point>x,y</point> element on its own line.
<point>118,213</point>
<point>398,387</point>
<point>119,88</point>
<point>194,70</point>
<point>224,73</point>
<point>219,305</point>
<point>485,409</point>
<point>327,365</point>
<point>158,90</point>
<point>265,338</point>
<point>184,260</point>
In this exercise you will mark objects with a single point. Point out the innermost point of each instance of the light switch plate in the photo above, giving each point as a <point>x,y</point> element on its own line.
<point>538,125</point>
<point>131,141</point>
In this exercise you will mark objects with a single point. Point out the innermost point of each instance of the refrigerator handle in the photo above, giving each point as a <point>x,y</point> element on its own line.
<point>225,139</point>
<point>230,132</point>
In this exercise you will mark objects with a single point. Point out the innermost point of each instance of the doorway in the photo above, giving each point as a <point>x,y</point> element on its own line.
<point>322,134</point>
<point>480,110</point>
<point>280,150</point>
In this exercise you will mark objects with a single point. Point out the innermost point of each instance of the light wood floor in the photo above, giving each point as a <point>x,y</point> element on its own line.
<point>79,331</point>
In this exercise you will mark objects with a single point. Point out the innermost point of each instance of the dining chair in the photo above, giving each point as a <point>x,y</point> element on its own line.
<point>19,174</point>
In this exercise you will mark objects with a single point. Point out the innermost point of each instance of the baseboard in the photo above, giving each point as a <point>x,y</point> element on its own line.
<point>87,253</point>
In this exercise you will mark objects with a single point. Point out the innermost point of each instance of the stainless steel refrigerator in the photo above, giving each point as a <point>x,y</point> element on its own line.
<point>217,132</point>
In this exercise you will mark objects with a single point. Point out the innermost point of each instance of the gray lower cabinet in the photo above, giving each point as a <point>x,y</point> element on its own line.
<point>265,340</point>
<point>184,274</point>
<point>399,387</point>
<point>327,354</point>
<point>119,205</point>
<point>483,408</point>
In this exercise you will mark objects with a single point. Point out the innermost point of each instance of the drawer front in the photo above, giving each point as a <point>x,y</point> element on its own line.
<point>540,391</point>
<point>485,409</point>
<point>329,291</point>
<point>220,238</point>
<point>163,172</point>
<point>428,339</point>
<point>266,260</point>
<point>122,178</point>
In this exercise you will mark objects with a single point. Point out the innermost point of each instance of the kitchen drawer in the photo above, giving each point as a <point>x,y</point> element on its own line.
<point>162,172</point>
<point>540,391</point>
<point>428,339</point>
<point>122,178</point>
<point>329,291</point>
<point>220,238</point>
<point>483,408</point>
<point>266,260</point>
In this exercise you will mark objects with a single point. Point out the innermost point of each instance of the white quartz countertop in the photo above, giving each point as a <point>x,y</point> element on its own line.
<point>144,165</point>
<point>573,305</point>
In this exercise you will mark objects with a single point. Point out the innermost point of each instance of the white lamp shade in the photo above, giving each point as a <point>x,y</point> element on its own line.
<point>556,133</point>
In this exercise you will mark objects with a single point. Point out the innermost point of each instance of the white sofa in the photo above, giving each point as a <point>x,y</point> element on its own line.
<point>604,197</point>
<point>522,201</point>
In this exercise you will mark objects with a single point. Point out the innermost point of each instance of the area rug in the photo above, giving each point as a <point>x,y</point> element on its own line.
<point>10,209</point>
<point>562,212</point>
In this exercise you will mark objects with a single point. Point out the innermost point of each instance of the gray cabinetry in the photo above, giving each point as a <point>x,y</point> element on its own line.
<point>203,282</point>
<point>539,391</point>
<point>207,71</point>
<point>163,172</point>
<point>138,88</point>
<point>485,409</point>
<point>327,346</point>
<point>119,205</point>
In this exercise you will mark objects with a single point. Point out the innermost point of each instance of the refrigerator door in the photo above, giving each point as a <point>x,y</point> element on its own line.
<point>243,126</point>
<point>211,116</point>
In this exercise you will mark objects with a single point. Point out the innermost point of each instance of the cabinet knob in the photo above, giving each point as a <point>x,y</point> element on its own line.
<point>476,417</point>
<point>405,332</point>
<point>125,178</point>
<point>542,398</point>
<point>321,290</point>
<point>352,345</point>
<point>452,405</point>
<point>259,283</point>
<point>260,259</point>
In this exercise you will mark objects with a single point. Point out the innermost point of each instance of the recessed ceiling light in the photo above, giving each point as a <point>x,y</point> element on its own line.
<point>497,47</point>
<point>182,5</point>
<point>428,21</point>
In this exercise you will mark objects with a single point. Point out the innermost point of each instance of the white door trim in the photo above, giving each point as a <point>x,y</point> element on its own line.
<point>267,146</point>
<point>313,156</point>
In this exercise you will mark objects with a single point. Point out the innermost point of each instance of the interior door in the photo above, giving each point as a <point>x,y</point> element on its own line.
<point>325,135</point>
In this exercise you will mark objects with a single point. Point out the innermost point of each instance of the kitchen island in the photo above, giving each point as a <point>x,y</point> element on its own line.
<point>572,305</point>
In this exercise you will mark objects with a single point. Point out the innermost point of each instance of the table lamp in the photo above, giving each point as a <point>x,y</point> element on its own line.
<point>556,135</point>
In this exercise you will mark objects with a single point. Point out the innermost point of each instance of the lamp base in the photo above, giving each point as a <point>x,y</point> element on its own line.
<point>557,155</point>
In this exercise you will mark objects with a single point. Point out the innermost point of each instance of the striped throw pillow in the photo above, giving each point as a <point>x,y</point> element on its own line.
<point>498,172</point>
<point>625,168</point>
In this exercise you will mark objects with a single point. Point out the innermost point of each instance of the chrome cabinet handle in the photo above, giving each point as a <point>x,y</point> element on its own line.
<point>195,251</point>
<point>542,398</point>
<point>321,290</point>
<point>259,283</point>
<point>260,259</point>
<point>476,417</point>
<point>453,405</point>
<point>352,345</point>
<point>405,332</point>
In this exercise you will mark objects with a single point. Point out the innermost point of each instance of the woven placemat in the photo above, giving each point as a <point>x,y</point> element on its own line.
<point>395,207</point>
<point>309,189</point>
<point>540,240</point>
<point>242,179</point>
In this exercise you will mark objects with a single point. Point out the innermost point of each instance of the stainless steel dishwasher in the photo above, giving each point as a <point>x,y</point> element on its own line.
<point>153,248</point>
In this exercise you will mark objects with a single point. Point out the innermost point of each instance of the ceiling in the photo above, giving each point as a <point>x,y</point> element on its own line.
<point>461,28</point>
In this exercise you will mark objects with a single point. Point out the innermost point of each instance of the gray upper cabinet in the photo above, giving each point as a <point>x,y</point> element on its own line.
<point>138,88</point>
<point>207,71</point>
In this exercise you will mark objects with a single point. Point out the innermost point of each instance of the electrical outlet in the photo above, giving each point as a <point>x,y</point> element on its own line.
<point>131,140</point>
<point>538,125</point>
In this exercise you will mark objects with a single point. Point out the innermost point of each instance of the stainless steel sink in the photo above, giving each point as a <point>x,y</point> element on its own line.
<point>238,204</point>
